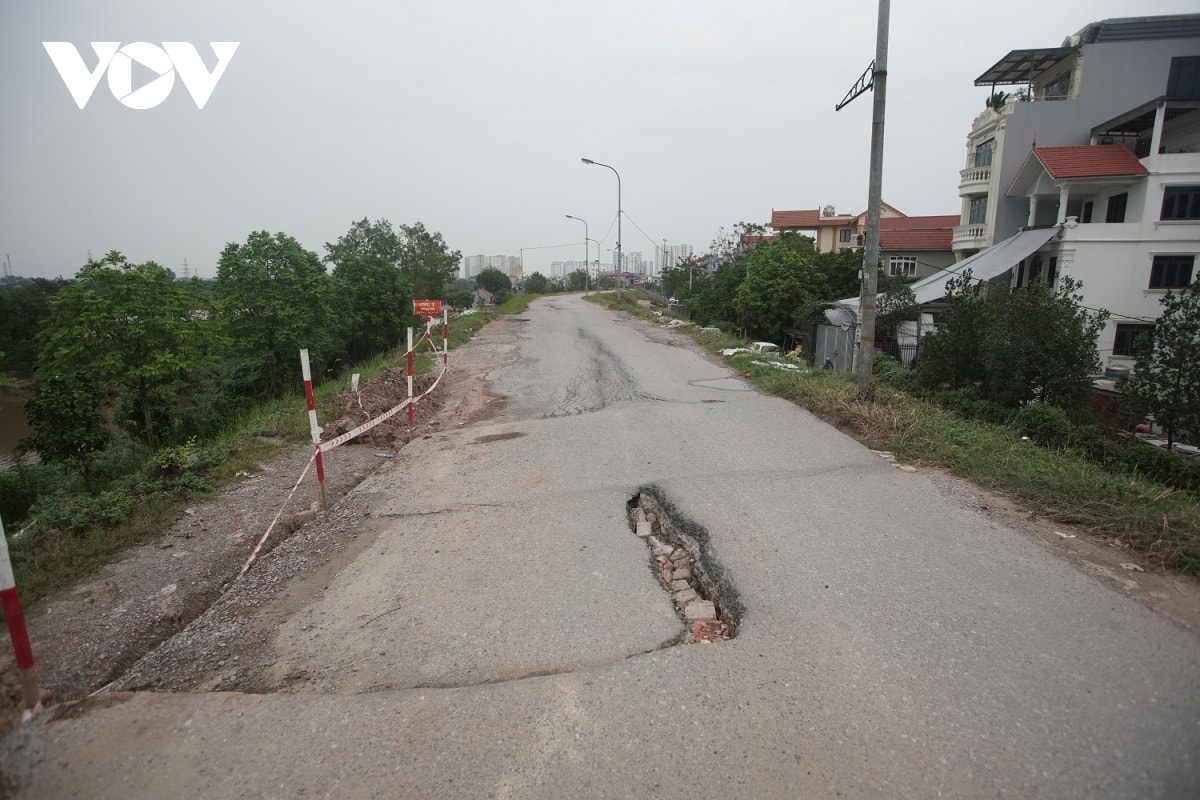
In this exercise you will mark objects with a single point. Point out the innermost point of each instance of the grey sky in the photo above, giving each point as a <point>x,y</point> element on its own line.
<point>471,117</point>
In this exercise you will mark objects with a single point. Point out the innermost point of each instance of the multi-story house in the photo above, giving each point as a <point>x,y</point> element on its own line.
<point>909,247</point>
<point>915,247</point>
<point>1090,169</point>
<point>830,230</point>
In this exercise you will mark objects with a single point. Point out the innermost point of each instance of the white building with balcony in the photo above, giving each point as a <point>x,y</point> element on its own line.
<point>1061,95</point>
<point>1090,170</point>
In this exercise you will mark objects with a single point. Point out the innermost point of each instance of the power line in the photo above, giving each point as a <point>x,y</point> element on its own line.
<point>651,240</point>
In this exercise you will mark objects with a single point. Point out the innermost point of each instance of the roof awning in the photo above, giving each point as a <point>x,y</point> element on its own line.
<point>984,265</point>
<point>1022,66</point>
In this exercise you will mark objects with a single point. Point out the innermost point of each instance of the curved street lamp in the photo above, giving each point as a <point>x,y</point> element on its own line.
<point>586,239</point>
<point>620,263</point>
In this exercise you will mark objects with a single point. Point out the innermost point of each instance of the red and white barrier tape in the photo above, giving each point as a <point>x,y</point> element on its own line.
<point>325,447</point>
<point>354,433</point>
<point>258,548</point>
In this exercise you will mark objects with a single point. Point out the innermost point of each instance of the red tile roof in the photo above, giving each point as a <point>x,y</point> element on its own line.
<point>1089,161</point>
<point>923,239</point>
<point>757,238</point>
<point>807,219</point>
<point>913,223</point>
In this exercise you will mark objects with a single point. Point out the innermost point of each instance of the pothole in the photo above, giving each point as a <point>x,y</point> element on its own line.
<point>684,565</point>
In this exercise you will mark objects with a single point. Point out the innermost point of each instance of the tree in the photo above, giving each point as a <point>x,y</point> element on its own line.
<point>840,271</point>
<point>537,283</point>
<point>711,302</point>
<point>1015,347</point>
<point>426,261</point>
<point>67,424</point>
<point>132,327</point>
<point>272,299</point>
<point>24,303</point>
<point>1041,346</point>
<point>578,281</point>
<point>372,298</point>
<point>1166,378</point>
<point>680,280</point>
<point>492,280</point>
<point>781,276</point>
<point>459,299</point>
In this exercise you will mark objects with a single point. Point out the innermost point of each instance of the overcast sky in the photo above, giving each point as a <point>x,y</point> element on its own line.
<point>472,117</point>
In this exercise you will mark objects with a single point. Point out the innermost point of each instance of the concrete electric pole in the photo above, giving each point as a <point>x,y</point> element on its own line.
<point>874,79</point>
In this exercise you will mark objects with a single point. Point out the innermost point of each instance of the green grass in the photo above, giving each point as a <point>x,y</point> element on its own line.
<point>45,564</point>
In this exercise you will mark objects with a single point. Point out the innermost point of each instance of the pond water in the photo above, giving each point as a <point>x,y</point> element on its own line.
<point>13,426</point>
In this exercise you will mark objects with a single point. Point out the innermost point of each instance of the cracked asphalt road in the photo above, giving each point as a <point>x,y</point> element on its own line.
<point>496,631</point>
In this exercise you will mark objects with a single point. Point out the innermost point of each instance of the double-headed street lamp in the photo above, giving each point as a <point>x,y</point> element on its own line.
<point>586,239</point>
<point>620,263</point>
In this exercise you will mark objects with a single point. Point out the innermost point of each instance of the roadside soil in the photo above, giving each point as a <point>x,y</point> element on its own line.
<point>164,618</point>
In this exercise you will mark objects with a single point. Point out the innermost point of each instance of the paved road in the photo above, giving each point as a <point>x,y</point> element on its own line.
<point>502,635</point>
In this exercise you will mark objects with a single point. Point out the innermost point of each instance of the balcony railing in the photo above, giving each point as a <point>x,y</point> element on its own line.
<point>973,180</point>
<point>973,235</point>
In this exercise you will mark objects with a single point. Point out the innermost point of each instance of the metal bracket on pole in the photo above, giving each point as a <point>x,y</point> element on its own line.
<point>864,84</point>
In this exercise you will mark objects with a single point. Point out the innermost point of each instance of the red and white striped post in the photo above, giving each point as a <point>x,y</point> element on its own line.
<point>410,381</point>
<point>445,335</point>
<point>14,617</point>
<point>313,426</point>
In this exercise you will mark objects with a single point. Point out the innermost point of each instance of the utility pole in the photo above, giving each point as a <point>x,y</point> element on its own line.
<point>874,79</point>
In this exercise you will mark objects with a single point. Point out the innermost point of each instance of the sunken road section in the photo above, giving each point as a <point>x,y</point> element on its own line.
<point>683,561</point>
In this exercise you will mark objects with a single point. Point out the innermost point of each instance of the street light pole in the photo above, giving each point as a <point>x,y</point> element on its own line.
<point>620,262</point>
<point>585,251</point>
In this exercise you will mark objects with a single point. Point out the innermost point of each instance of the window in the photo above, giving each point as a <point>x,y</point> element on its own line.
<point>1086,216</point>
<point>1127,335</point>
<point>1035,269</point>
<point>1052,271</point>
<point>1116,208</point>
<point>978,214</point>
<point>1181,202</point>
<point>902,266</point>
<point>983,153</point>
<point>1059,88</point>
<point>1183,81</point>
<point>1171,272</point>
<point>844,235</point>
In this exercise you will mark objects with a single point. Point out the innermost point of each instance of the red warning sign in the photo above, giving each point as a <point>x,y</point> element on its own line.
<point>427,308</point>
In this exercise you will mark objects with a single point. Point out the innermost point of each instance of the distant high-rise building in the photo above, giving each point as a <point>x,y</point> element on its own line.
<point>668,257</point>
<point>473,265</point>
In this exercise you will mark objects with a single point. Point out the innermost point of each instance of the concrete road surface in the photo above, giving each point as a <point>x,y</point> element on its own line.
<point>503,634</point>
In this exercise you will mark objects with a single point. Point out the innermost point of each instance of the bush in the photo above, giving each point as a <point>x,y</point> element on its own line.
<point>178,471</point>
<point>79,514</point>
<point>969,402</point>
<point>1135,458</point>
<point>1045,424</point>
<point>21,486</point>
<point>892,372</point>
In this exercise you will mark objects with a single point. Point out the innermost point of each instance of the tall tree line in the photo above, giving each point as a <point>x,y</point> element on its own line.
<point>169,360</point>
